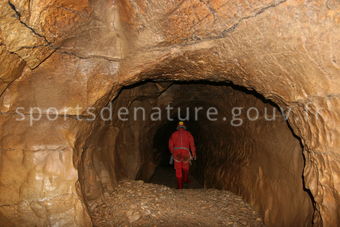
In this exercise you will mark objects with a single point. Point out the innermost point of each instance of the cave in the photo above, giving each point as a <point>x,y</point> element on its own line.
<point>267,72</point>
<point>243,145</point>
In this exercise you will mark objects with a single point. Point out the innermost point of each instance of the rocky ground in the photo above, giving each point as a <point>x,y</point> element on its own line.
<point>135,203</point>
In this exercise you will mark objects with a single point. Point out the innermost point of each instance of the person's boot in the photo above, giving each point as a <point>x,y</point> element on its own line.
<point>186,176</point>
<point>179,183</point>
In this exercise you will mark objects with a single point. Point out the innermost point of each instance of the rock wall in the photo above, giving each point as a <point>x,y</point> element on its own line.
<point>38,179</point>
<point>254,153</point>
<point>61,54</point>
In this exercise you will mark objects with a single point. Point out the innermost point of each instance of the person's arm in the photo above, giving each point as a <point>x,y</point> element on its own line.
<point>192,146</point>
<point>171,144</point>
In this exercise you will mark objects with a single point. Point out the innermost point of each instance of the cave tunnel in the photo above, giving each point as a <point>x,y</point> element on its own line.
<point>264,73</point>
<point>244,145</point>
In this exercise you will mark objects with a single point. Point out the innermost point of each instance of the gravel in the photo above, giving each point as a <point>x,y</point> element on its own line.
<point>135,203</point>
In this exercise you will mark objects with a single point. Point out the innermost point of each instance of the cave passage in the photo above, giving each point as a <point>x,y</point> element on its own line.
<point>244,145</point>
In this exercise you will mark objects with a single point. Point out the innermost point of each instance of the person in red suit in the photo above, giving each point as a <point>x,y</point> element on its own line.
<point>183,150</point>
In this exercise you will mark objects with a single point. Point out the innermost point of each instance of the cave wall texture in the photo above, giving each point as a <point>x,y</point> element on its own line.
<point>80,53</point>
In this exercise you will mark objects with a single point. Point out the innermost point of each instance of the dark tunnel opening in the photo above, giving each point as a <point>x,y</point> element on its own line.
<point>245,145</point>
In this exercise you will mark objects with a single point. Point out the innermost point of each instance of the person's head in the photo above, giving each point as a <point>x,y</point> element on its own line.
<point>181,125</point>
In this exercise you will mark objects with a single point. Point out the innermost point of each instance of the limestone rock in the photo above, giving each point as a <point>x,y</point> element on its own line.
<point>64,54</point>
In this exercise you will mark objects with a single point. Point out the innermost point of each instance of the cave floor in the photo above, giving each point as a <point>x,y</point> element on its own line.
<point>135,203</point>
<point>166,175</point>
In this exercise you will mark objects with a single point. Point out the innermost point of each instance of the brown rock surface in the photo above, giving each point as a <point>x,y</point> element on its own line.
<point>11,67</point>
<point>65,54</point>
<point>38,179</point>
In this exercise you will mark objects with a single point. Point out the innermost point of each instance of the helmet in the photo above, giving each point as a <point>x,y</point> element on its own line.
<point>181,125</point>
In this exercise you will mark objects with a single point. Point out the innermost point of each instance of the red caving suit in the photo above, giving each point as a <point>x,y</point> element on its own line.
<point>181,143</point>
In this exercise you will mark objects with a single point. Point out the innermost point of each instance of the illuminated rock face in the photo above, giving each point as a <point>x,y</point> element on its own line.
<point>74,55</point>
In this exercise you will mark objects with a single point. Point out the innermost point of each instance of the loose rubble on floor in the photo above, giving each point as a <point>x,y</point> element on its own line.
<point>135,203</point>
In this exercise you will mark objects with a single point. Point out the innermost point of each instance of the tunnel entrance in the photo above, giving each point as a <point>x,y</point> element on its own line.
<point>244,145</point>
